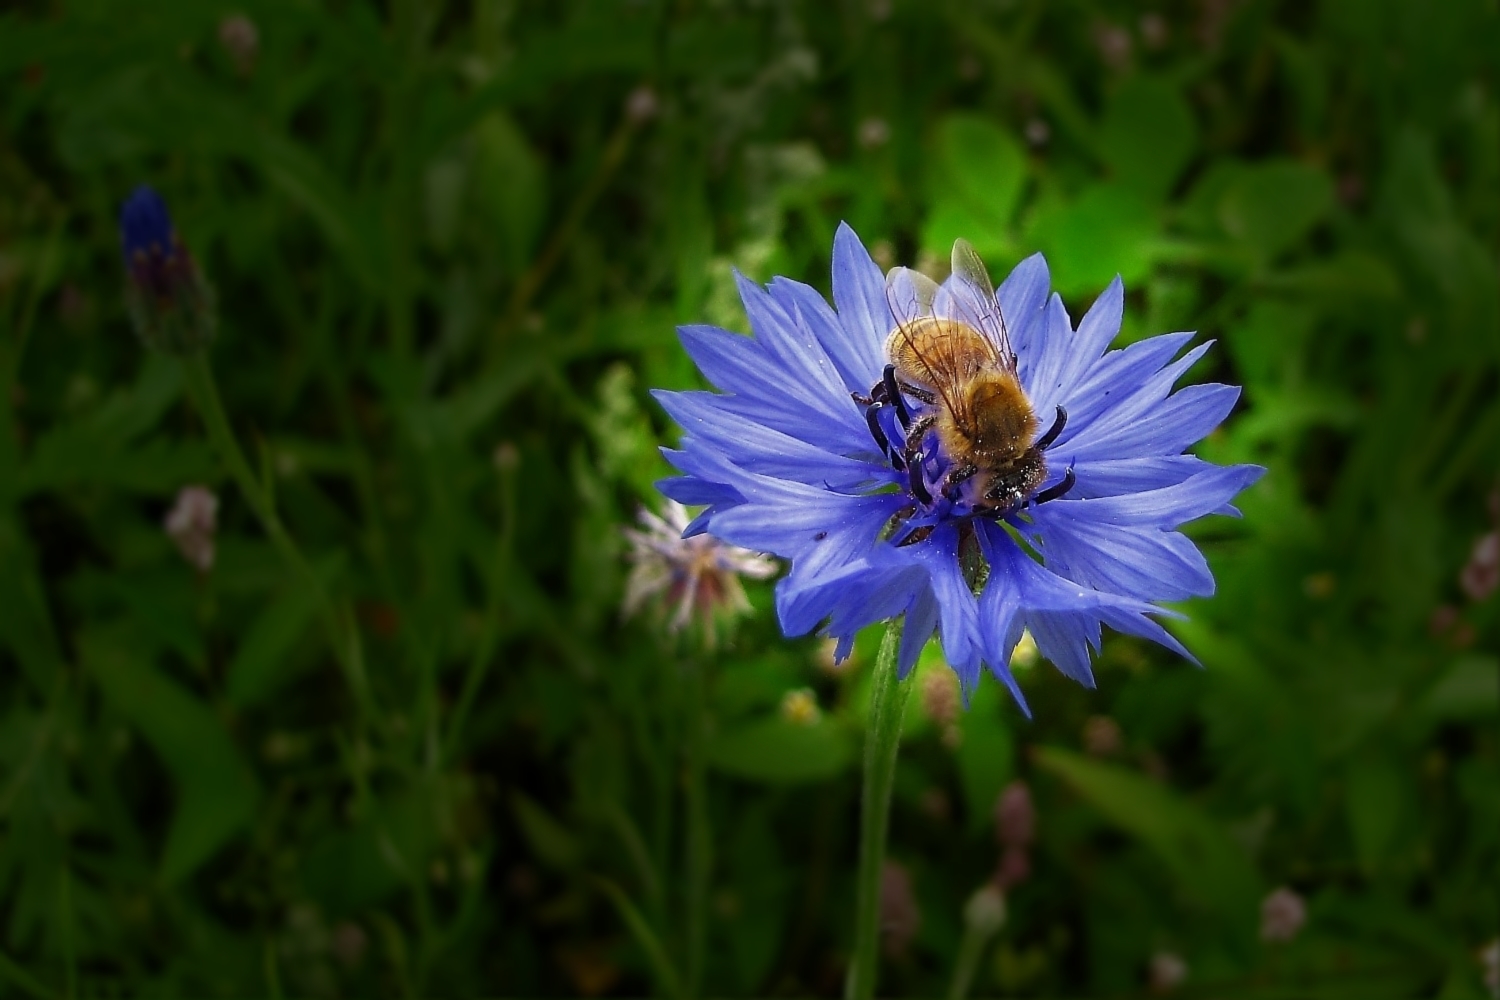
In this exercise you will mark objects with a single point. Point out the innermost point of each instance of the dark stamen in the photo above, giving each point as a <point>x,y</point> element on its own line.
<point>894,391</point>
<point>1061,421</point>
<point>918,488</point>
<point>872,418</point>
<point>1053,492</point>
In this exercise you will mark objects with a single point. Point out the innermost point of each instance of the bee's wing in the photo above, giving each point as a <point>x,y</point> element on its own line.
<point>911,295</point>
<point>969,296</point>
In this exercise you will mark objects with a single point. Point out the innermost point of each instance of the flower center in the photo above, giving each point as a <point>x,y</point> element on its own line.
<point>949,476</point>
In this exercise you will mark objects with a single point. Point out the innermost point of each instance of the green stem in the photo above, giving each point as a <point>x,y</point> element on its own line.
<point>341,634</point>
<point>887,706</point>
<point>970,950</point>
<point>697,831</point>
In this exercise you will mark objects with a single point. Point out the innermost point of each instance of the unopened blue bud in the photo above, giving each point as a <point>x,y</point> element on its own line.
<point>171,304</point>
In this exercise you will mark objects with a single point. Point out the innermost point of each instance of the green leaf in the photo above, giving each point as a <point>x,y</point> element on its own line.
<point>548,838</point>
<point>509,186</point>
<point>779,752</point>
<point>26,626</point>
<point>216,791</point>
<point>356,867</point>
<point>1109,230</point>
<point>262,662</point>
<point>1469,690</point>
<point>976,183</point>
<point>986,753</point>
<point>1269,207</point>
<point>1207,865</point>
<point>1375,803</point>
<point>1147,136</point>
<point>96,447</point>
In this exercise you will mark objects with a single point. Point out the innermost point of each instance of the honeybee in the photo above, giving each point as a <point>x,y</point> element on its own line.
<point>950,351</point>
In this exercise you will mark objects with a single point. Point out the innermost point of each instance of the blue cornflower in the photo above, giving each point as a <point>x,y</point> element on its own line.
<point>818,451</point>
<point>171,304</point>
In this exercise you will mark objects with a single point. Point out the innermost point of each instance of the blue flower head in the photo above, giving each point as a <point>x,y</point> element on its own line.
<point>962,456</point>
<point>171,305</point>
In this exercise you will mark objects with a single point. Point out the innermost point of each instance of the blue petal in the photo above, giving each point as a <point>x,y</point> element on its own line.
<point>1041,366</point>
<point>1145,563</point>
<point>1167,507</point>
<point>859,294</point>
<point>797,350</point>
<point>694,492</point>
<point>1132,623</point>
<point>958,611</point>
<point>921,622</point>
<point>1066,356</point>
<point>999,604</point>
<point>1066,640</point>
<point>1135,475</point>
<point>1125,388</point>
<point>1022,296</point>
<point>1185,417</point>
<point>763,450</point>
<point>856,371</point>
<point>768,392</point>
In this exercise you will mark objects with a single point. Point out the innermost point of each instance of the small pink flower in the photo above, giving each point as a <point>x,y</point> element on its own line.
<point>899,916</point>
<point>1481,573</point>
<point>191,524</point>
<point>1101,736</point>
<point>241,40</point>
<point>1282,915</point>
<point>1015,816</point>
<point>1167,972</point>
<point>1015,867</point>
<point>940,696</point>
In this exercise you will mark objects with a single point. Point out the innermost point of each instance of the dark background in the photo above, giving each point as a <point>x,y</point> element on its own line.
<point>444,234</point>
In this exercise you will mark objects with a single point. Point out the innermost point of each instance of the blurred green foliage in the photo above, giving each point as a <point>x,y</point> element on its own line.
<point>450,244</point>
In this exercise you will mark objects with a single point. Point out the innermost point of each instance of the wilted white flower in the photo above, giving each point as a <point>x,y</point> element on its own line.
<point>874,132</point>
<point>191,523</point>
<point>985,910</point>
<point>697,576</point>
<point>642,105</point>
<point>1282,915</point>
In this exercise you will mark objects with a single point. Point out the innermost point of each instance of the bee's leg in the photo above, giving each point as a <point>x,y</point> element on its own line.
<point>1053,492</point>
<point>877,395</point>
<point>957,477</point>
<point>925,396</point>
<point>1058,423</point>
<point>919,427</point>
<point>918,534</point>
